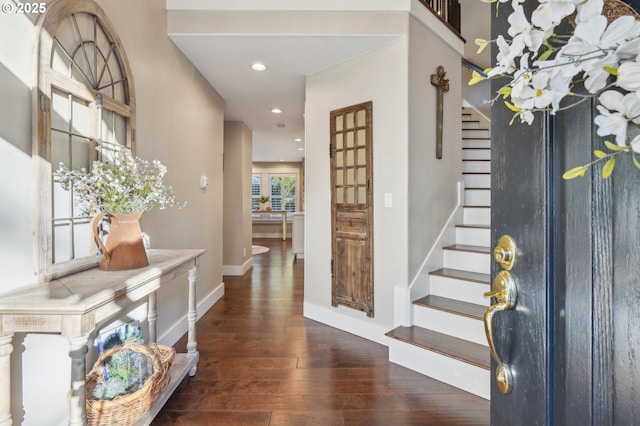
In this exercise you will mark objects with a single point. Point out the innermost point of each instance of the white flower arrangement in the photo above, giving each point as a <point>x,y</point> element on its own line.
<point>544,68</point>
<point>122,185</point>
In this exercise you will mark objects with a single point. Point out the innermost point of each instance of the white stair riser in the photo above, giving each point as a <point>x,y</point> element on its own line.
<point>477,180</point>
<point>467,261</point>
<point>476,154</point>
<point>476,166</point>
<point>464,376</point>
<point>469,124</point>
<point>475,133</point>
<point>477,197</point>
<point>476,143</point>
<point>476,216</point>
<point>464,291</point>
<point>473,236</point>
<point>465,328</point>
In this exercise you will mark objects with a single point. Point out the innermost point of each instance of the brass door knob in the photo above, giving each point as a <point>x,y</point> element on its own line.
<point>504,291</point>
<point>505,252</point>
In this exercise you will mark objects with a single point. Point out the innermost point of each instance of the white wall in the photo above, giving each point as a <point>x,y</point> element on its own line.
<point>432,182</point>
<point>237,198</point>
<point>379,76</point>
<point>179,122</point>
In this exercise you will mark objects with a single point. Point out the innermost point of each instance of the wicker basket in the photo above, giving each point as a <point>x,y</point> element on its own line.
<point>127,409</point>
<point>613,9</point>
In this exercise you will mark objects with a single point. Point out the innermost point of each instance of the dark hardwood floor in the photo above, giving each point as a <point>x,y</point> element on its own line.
<point>262,363</point>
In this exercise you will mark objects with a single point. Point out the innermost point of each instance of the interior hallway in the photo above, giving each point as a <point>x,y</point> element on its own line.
<point>262,363</point>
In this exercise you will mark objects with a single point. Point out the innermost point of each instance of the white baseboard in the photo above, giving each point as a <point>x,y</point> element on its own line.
<point>181,326</point>
<point>333,318</point>
<point>237,270</point>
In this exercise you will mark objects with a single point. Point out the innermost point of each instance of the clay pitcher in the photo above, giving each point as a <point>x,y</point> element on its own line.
<point>124,248</point>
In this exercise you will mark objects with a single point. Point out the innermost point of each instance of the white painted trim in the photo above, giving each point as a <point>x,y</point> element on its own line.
<point>438,244</point>
<point>333,318</point>
<point>402,312</point>
<point>456,373</point>
<point>238,270</point>
<point>467,104</point>
<point>181,326</point>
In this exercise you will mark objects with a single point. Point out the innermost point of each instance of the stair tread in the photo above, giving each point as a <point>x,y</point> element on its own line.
<point>476,206</point>
<point>462,275</point>
<point>466,309</point>
<point>462,350</point>
<point>471,225</point>
<point>480,159</point>
<point>466,247</point>
<point>476,173</point>
<point>478,187</point>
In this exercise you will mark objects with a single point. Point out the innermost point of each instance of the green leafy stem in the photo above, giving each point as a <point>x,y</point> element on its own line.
<point>609,159</point>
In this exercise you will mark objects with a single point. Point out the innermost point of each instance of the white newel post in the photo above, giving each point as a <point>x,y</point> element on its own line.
<point>6,348</point>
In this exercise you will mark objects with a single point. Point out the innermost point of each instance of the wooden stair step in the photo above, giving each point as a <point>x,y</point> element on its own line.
<point>462,350</point>
<point>472,249</point>
<point>473,226</point>
<point>469,310</point>
<point>462,275</point>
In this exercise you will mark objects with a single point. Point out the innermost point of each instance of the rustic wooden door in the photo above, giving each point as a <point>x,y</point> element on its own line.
<point>572,339</point>
<point>352,208</point>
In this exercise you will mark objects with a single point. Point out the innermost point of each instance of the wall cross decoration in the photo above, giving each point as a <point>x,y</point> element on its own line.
<point>442,85</point>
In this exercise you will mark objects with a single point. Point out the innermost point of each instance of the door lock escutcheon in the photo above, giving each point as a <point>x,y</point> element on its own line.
<point>505,293</point>
<point>505,252</point>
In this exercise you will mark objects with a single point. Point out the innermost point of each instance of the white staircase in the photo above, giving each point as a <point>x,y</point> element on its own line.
<point>447,340</point>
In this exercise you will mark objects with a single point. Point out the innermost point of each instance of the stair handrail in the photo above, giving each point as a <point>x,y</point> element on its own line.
<point>468,64</point>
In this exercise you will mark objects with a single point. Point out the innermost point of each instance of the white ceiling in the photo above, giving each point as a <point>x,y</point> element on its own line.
<point>223,45</point>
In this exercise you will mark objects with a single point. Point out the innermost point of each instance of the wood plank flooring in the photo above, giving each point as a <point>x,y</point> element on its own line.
<point>262,363</point>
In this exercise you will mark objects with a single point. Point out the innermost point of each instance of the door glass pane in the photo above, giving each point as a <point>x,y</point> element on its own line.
<point>361,118</point>
<point>60,150</point>
<point>362,195</point>
<point>339,144</point>
<point>339,124</point>
<point>362,175</point>
<point>339,177</point>
<point>339,158</point>
<point>351,198</point>
<point>351,177</point>
<point>362,137</point>
<point>339,195</point>
<point>350,137</point>
<point>80,153</point>
<point>350,123</point>
<point>60,110</point>
<point>350,159</point>
<point>362,157</point>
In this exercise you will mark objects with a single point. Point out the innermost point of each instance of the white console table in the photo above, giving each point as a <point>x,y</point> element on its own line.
<point>76,305</point>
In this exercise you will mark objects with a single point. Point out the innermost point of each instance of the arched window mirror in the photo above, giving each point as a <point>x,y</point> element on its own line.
<point>83,98</point>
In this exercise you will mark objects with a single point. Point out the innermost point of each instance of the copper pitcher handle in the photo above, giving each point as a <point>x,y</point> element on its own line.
<point>94,225</point>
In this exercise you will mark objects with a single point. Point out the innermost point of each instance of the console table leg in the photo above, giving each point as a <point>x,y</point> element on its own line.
<point>192,316</point>
<point>152,316</point>
<point>77,401</point>
<point>6,348</point>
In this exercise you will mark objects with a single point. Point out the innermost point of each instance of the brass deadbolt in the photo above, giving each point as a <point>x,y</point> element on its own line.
<point>505,252</point>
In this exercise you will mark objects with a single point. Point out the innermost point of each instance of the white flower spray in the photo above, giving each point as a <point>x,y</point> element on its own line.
<point>604,57</point>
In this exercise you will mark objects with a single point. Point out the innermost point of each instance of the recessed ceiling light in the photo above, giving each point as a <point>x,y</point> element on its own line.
<point>297,140</point>
<point>258,67</point>
<point>300,149</point>
<point>276,111</point>
<point>282,160</point>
